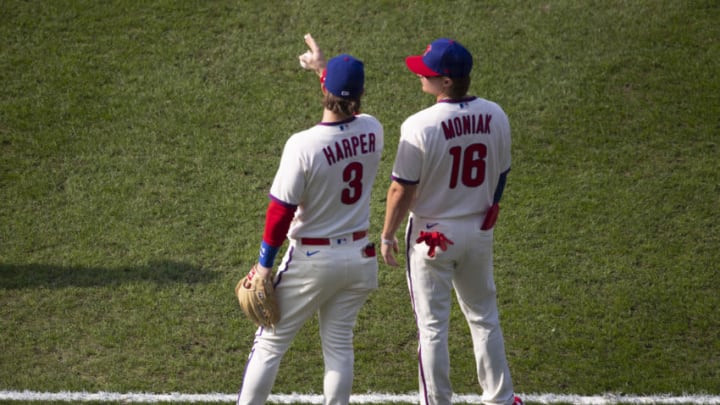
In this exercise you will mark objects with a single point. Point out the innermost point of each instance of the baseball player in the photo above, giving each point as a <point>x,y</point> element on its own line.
<point>449,173</point>
<point>320,201</point>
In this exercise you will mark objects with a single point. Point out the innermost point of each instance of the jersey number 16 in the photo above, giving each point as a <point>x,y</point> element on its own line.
<point>468,165</point>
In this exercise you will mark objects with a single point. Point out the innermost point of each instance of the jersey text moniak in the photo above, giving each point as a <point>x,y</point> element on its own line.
<point>466,125</point>
<point>349,147</point>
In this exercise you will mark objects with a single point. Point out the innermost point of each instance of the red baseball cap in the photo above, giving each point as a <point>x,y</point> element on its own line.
<point>443,57</point>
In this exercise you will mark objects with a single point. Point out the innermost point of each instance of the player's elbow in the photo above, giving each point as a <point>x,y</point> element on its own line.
<point>399,191</point>
<point>400,195</point>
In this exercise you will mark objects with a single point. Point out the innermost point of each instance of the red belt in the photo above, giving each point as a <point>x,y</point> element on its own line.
<point>326,241</point>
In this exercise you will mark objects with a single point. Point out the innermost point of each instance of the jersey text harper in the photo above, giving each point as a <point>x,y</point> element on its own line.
<point>350,147</point>
<point>466,125</point>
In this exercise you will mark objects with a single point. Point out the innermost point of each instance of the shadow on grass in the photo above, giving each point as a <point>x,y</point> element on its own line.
<point>162,272</point>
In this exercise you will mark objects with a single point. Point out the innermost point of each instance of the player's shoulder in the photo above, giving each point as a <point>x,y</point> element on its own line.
<point>364,117</point>
<point>300,139</point>
<point>423,116</point>
<point>486,104</point>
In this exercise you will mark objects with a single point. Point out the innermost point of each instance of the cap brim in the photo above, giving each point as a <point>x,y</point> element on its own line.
<point>417,66</point>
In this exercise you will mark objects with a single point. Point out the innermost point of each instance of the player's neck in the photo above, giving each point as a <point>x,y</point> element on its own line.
<point>330,116</point>
<point>444,97</point>
<point>440,96</point>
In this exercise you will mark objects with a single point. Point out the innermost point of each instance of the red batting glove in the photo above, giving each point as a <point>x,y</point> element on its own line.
<point>434,240</point>
<point>490,217</point>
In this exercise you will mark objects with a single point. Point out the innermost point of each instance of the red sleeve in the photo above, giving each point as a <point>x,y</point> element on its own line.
<point>277,222</point>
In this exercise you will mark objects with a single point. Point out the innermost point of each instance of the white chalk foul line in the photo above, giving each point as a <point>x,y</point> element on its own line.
<point>370,398</point>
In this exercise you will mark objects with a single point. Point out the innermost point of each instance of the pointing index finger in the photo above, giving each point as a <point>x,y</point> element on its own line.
<point>310,41</point>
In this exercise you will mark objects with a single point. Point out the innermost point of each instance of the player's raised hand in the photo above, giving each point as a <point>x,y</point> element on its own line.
<point>314,58</point>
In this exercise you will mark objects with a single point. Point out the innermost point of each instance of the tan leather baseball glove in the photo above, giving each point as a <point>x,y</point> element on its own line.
<point>256,296</point>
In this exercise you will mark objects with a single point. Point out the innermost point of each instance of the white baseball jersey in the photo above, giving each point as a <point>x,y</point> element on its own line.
<point>464,145</point>
<point>328,172</point>
<point>455,152</point>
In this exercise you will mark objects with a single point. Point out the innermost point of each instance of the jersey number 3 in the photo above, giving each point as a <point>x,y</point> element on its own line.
<point>352,176</point>
<point>469,165</point>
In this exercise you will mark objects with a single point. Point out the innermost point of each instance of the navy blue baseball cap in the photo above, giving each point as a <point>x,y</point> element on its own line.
<point>344,76</point>
<point>443,57</point>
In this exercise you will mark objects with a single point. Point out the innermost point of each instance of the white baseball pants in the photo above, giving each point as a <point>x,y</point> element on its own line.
<point>333,281</point>
<point>467,267</point>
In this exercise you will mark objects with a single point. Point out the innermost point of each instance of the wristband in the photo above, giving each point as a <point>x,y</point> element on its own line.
<point>388,242</point>
<point>267,254</point>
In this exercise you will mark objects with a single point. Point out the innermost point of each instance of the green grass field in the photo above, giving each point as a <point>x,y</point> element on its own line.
<point>138,141</point>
